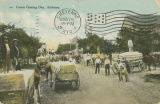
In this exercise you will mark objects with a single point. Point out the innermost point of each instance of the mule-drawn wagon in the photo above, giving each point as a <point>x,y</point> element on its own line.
<point>65,73</point>
<point>134,59</point>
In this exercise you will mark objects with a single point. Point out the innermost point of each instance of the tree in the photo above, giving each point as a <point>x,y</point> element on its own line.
<point>26,44</point>
<point>143,40</point>
<point>65,48</point>
<point>91,43</point>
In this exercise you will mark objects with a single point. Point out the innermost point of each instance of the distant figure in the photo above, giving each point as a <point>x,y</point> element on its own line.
<point>19,65</point>
<point>130,45</point>
<point>88,58</point>
<point>107,66</point>
<point>97,63</point>
<point>5,54</point>
<point>15,55</point>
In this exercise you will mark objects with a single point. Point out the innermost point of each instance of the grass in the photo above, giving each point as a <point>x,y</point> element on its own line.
<point>154,78</point>
<point>29,66</point>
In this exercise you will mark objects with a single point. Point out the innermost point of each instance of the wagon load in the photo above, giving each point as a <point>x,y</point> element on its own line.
<point>42,59</point>
<point>132,56</point>
<point>102,56</point>
<point>134,59</point>
<point>17,87</point>
<point>65,74</point>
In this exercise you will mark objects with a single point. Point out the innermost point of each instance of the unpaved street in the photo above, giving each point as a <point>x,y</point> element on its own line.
<point>101,89</point>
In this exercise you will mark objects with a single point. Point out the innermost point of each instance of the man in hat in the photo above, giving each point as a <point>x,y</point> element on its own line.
<point>107,66</point>
<point>15,54</point>
<point>97,63</point>
<point>5,55</point>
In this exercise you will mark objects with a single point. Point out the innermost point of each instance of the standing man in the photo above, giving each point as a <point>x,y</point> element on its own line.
<point>88,59</point>
<point>127,63</point>
<point>97,63</point>
<point>5,55</point>
<point>107,66</point>
<point>119,69</point>
<point>15,54</point>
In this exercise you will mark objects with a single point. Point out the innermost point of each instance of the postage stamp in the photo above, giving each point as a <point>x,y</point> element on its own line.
<point>67,21</point>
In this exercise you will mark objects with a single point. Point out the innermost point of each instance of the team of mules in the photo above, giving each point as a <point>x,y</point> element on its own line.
<point>152,60</point>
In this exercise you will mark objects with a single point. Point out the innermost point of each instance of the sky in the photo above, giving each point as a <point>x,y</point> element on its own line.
<point>42,20</point>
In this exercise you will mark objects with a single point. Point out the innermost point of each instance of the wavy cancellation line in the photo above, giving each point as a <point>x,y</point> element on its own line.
<point>120,24</point>
<point>108,33</point>
<point>115,28</point>
<point>133,15</point>
<point>129,19</point>
<point>129,11</point>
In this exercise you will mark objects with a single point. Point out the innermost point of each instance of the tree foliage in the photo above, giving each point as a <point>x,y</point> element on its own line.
<point>28,45</point>
<point>65,48</point>
<point>143,40</point>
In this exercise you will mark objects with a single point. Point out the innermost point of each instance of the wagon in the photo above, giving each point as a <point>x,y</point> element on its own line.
<point>65,74</point>
<point>134,59</point>
<point>17,87</point>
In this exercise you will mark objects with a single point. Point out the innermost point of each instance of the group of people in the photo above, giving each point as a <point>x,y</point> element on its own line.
<point>106,63</point>
<point>9,54</point>
<point>122,67</point>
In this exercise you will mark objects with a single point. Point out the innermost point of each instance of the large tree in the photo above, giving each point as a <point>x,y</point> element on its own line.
<point>143,40</point>
<point>28,45</point>
<point>65,48</point>
<point>91,43</point>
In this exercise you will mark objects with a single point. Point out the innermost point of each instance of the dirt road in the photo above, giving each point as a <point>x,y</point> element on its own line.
<point>101,89</point>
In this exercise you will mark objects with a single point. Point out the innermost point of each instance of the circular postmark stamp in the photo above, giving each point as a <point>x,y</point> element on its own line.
<point>67,21</point>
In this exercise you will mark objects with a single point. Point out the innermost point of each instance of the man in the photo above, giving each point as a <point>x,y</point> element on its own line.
<point>5,55</point>
<point>122,68</point>
<point>107,66</point>
<point>127,63</point>
<point>126,69</point>
<point>88,58</point>
<point>97,63</point>
<point>119,69</point>
<point>15,54</point>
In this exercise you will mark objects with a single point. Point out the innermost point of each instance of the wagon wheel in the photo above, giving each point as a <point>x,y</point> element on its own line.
<point>131,68</point>
<point>30,96</point>
<point>77,83</point>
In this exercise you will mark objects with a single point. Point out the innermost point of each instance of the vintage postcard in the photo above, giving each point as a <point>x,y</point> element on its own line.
<point>79,51</point>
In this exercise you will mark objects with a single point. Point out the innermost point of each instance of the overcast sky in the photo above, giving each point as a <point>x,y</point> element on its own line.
<point>27,18</point>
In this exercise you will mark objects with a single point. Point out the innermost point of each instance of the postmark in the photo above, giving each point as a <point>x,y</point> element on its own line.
<point>67,21</point>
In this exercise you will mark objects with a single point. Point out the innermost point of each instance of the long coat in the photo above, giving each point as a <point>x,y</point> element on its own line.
<point>3,52</point>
